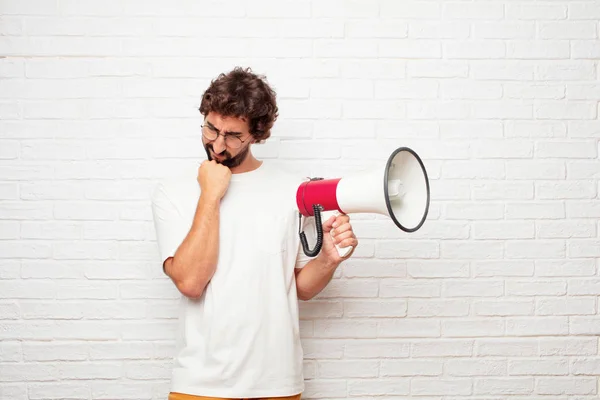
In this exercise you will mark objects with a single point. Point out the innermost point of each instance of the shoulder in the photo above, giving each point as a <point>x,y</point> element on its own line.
<point>284,174</point>
<point>175,190</point>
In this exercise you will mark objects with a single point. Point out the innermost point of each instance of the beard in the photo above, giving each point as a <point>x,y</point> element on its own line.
<point>228,160</point>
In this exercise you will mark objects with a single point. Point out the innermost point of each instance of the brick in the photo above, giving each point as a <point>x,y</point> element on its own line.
<point>565,150</point>
<point>503,308</point>
<point>442,348</point>
<point>480,250</point>
<point>473,11</point>
<point>351,288</point>
<point>582,248</point>
<point>504,386</point>
<point>480,288</point>
<point>585,49</point>
<point>537,326</point>
<point>532,11</point>
<point>409,288</point>
<point>563,111</point>
<point>410,9</point>
<point>583,287</point>
<point>549,248</point>
<point>568,306</point>
<point>405,328</point>
<point>506,347</point>
<point>371,348</point>
<point>535,129</point>
<point>586,366</point>
<point>380,308</point>
<point>437,308</point>
<point>411,368</point>
<point>69,351</point>
<point>473,170</point>
<point>472,367</point>
<point>409,48</point>
<point>11,352</point>
<point>583,209</point>
<point>437,68</point>
<point>565,229</point>
<point>378,387</point>
<point>538,50</point>
<point>535,288</point>
<point>383,28</point>
<point>503,268</point>
<point>407,249</point>
<point>535,210</point>
<point>437,269</point>
<point>348,369</point>
<point>472,328</point>
<point>503,230</point>
<point>548,268</point>
<point>475,49</point>
<point>567,30</point>
<point>437,30</point>
<point>474,211</point>
<point>571,346</point>
<point>504,30</point>
<point>436,386</point>
<point>503,71</point>
<point>373,269</point>
<point>345,329</point>
<point>584,326</point>
<point>534,91</point>
<point>570,386</point>
<point>54,390</point>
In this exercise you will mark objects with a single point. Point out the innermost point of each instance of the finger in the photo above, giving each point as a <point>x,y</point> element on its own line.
<point>340,220</point>
<point>342,236</point>
<point>349,242</point>
<point>342,228</point>
<point>327,225</point>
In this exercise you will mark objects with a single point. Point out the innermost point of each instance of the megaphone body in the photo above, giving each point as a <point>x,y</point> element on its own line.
<point>397,189</point>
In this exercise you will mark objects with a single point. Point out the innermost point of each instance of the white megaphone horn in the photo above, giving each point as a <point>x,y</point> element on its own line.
<point>398,189</point>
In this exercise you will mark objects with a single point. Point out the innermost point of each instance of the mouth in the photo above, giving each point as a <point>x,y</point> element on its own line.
<point>217,157</point>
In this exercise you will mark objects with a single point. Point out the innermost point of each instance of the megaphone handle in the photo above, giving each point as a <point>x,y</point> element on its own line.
<point>304,241</point>
<point>343,251</point>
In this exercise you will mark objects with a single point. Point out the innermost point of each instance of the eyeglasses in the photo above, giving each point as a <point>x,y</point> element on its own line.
<point>231,140</point>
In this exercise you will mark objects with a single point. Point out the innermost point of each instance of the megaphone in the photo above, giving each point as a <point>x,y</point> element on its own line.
<point>398,189</point>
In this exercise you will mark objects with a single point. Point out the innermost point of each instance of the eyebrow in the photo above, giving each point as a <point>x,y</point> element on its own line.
<point>211,126</point>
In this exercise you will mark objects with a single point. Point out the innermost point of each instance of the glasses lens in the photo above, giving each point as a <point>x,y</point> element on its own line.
<point>233,142</point>
<point>209,133</point>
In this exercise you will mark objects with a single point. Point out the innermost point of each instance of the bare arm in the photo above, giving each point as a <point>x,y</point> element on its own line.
<point>193,264</point>
<point>195,261</point>
<point>317,273</point>
<point>313,277</point>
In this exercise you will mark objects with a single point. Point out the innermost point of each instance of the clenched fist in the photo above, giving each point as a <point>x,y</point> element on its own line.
<point>213,179</point>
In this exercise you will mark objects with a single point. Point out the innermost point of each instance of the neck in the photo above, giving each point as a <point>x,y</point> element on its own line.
<point>249,164</point>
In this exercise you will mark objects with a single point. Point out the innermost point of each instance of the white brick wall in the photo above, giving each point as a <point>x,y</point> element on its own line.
<point>495,298</point>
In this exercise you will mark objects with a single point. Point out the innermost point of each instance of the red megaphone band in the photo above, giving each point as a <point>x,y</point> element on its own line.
<point>317,191</point>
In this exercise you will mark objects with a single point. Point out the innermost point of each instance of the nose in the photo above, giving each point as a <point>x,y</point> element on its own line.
<point>219,144</point>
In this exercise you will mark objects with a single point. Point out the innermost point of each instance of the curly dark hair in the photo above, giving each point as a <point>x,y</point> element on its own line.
<point>241,93</point>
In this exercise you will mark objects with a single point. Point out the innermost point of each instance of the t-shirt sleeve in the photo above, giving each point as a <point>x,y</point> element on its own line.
<point>168,223</point>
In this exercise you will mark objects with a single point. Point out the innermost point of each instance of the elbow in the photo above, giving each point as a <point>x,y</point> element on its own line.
<point>303,295</point>
<point>191,288</point>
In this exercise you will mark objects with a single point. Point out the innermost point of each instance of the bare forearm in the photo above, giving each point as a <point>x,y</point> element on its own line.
<point>313,278</point>
<point>194,263</point>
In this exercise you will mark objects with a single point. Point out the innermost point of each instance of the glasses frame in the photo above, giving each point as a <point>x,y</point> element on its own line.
<point>225,136</point>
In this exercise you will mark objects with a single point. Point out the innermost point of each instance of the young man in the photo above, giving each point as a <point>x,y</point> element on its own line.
<point>229,242</point>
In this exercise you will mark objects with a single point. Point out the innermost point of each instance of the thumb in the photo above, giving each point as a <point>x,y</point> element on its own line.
<point>327,225</point>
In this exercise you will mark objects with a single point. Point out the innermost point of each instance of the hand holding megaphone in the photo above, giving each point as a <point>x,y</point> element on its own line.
<point>398,189</point>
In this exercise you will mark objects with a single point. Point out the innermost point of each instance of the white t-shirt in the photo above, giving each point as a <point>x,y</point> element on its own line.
<point>241,337</point>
